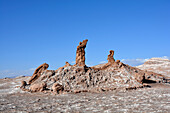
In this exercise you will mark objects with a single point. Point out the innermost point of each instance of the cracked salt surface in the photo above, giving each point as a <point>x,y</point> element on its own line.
<point>10,86</point>
<point>156,99</point>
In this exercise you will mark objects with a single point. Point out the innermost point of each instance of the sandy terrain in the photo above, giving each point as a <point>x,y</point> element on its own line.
<point>154,99</point>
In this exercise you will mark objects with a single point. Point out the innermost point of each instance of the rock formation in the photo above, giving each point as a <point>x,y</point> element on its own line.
<point>67,64</point>
<point>23,84</point>
<point>80,78</point>
<point>57,88</point>
<point>38,87</point>
<point>80,53</point>
<point>37,73</point>
<point>110,58</point>
<point>111,61</point>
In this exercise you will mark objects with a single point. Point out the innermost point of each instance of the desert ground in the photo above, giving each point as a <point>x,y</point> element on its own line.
<point>151,99</point>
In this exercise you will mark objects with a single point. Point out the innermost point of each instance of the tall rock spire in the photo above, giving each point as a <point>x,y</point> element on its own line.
<point>80,53</point>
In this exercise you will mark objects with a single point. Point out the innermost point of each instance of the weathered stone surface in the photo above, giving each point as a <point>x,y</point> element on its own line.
<point>67,64</point>
<point>80,78</point>
<point>86,79</point>
<point>117,61</point>
<point>23,84</point>
<point>38,87</point>
<point>37,73</point>
<point>80,53</point>
<point>110,58</point>
<point>111,62</point>
<point>57,88</point>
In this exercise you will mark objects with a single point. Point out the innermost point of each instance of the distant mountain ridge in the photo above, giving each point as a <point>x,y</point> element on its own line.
<point>157,65</point>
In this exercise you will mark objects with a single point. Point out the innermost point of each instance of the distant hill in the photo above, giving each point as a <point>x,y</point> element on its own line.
<point>157,65</point>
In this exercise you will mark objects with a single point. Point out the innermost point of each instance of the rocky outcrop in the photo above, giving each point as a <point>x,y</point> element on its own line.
<point>57,88</point>
<point>80,53</point>
<point>67,64</point>
<point>23,84</point>
<point>110,58</point>
<point>37,73</point>
<point>38,87</point>
<point>81,78</point>
<point>111,62</point>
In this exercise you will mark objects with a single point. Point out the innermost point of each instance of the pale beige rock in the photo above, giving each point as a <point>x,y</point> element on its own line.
<point>57,88</point>
<point>38,87</point>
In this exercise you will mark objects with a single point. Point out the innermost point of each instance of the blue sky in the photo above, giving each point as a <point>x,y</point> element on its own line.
<point>36,31</point>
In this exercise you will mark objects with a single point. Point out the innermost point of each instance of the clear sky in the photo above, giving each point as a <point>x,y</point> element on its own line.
<point>36,31</point>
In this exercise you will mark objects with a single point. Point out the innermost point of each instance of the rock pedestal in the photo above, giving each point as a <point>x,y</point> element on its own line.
<point>110,58</point>
<point>80,53</point>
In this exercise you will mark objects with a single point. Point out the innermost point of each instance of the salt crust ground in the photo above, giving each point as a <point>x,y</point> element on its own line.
<point>12,99</point>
